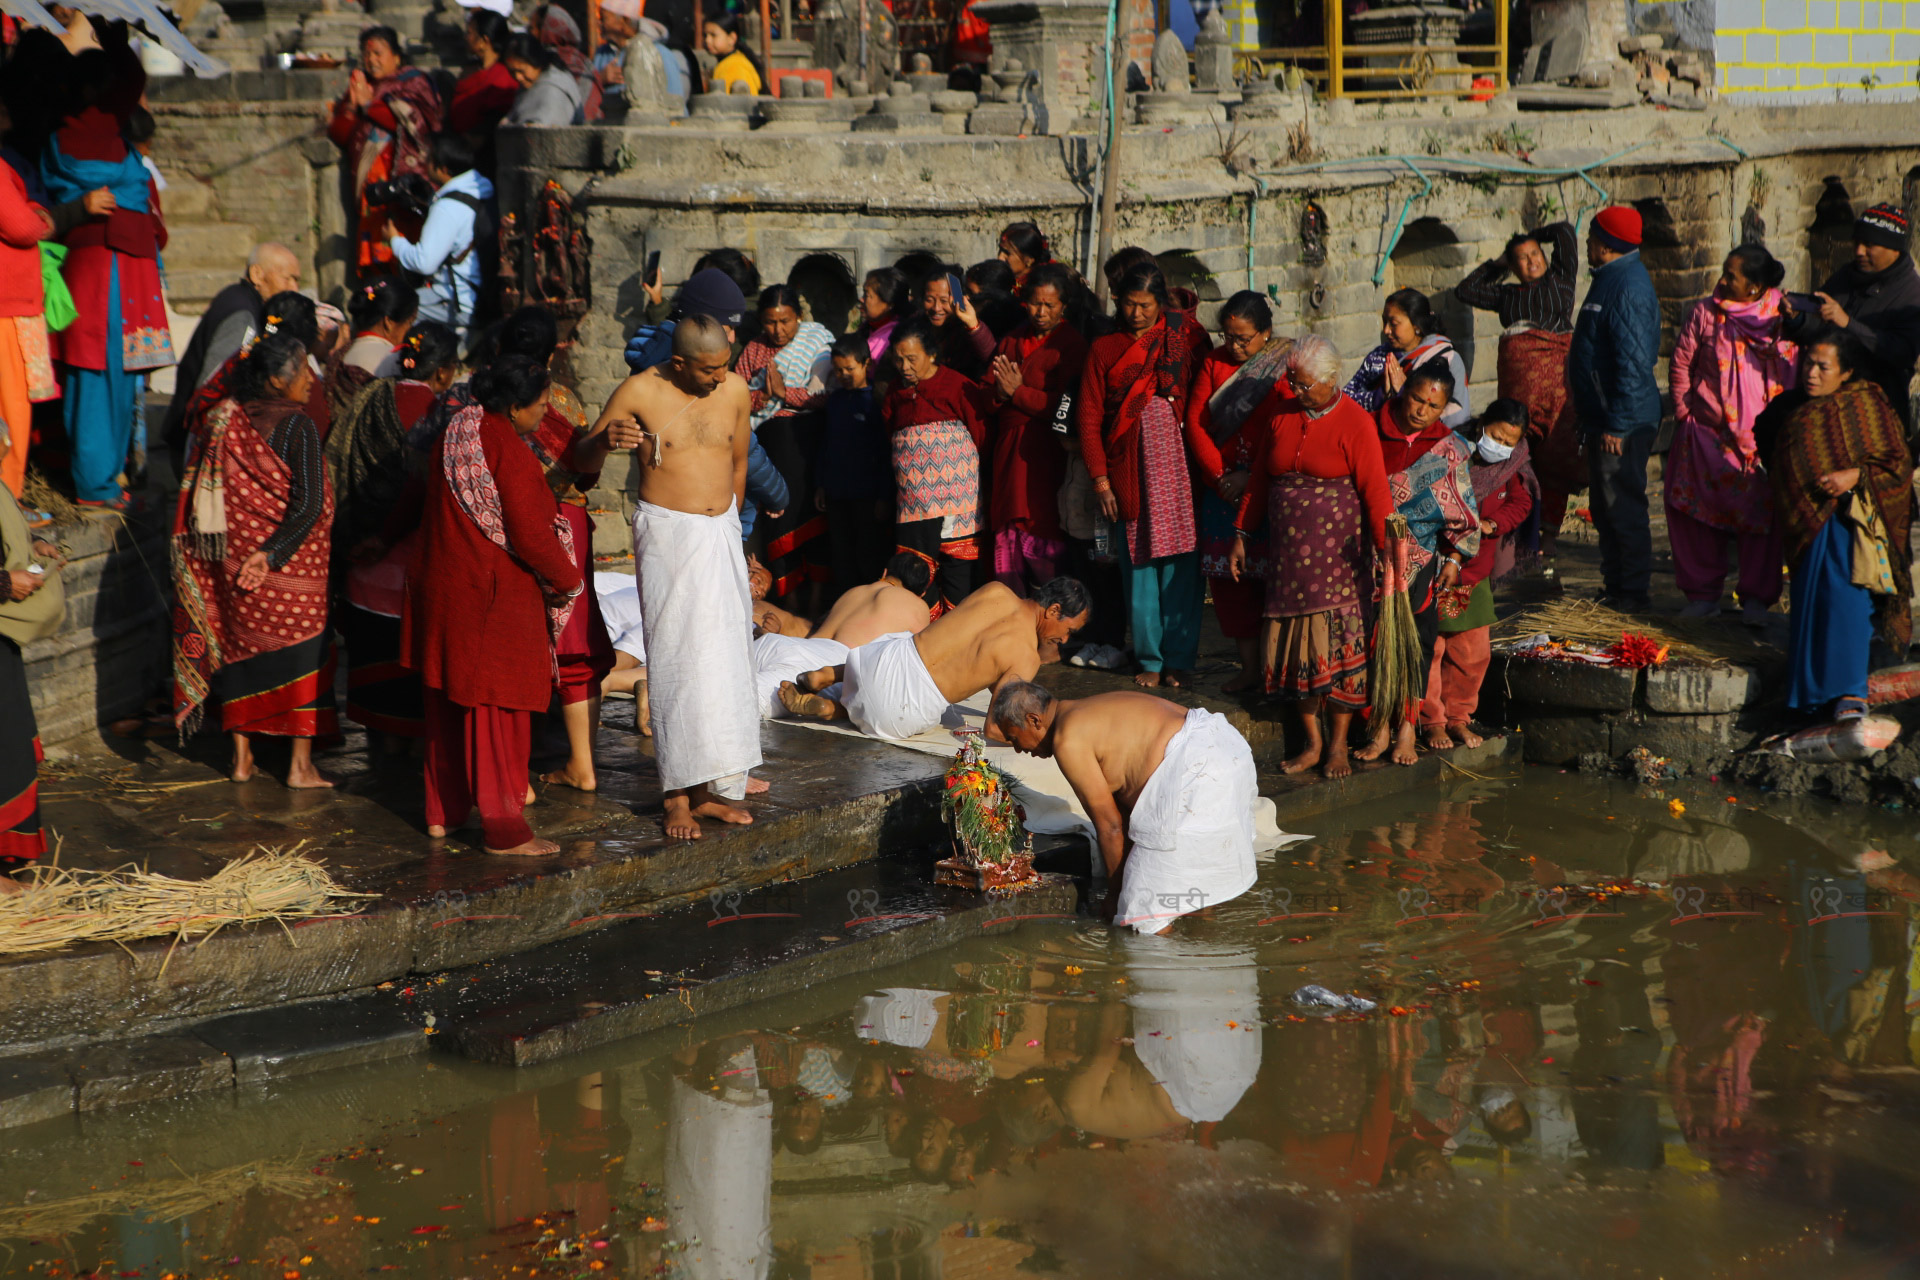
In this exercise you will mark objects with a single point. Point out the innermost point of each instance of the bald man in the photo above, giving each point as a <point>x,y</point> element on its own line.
<point>237,313</point>
<point>687,421</point>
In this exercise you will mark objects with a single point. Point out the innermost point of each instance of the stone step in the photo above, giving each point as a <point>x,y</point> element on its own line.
<point>189,291</point>
<point>219,247</point>
<point>186,199</point>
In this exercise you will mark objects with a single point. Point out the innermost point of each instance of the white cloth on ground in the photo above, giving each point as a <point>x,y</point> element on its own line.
<point>720,1176</point>
<point>1196,1021</point>
<point>904,1016</point>
<point>696,610</point>
<point>1191,830</point>
<point>620,609</point>
<point>888,691</point>
<point>778,658</point>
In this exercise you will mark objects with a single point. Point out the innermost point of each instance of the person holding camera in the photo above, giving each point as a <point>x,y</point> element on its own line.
<point>452,245</point>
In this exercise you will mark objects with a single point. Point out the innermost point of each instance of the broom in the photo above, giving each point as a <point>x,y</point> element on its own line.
<point>1396,669</point>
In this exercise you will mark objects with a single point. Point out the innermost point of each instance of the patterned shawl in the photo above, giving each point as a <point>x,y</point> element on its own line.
<point>472,483</point>
<point>366,460</point>
<point>1853,427</point>
<point>1159,363</point>
<point>415,104</point>
<point>804,364</point>
<point>1368,386</point>
<point>1246,389</point>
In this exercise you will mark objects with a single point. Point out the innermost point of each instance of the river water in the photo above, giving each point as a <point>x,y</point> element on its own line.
<point>1619,1032</point>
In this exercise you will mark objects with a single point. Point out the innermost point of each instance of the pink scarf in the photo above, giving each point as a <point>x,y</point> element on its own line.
<point>474,489</point>
<point>1753,362</point>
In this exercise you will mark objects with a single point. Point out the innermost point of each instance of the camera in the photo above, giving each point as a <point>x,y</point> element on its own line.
<point>408,193</point>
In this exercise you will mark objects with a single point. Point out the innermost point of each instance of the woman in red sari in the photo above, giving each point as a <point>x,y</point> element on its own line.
<point>251,541</point>
<point>1035,371</point>
<point>1132,396</point>
<point>492,545</point>
<point>933,415</point>
<point>382,125</point>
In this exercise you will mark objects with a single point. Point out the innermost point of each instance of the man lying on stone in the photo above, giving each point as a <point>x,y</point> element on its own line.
<point>900,685</point>
<point>892,605</point>
<point>1170,792</point>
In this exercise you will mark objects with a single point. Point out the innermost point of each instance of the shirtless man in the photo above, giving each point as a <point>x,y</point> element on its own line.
<point>900,685</point>
<point>895,602</point>
<point>688,421</point>
<point>1170,793</point>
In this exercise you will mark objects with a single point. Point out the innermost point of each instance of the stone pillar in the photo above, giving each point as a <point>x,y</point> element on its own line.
<point>1061,44</point>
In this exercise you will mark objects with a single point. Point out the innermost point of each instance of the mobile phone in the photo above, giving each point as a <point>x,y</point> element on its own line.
<point>34,568</point>
<point>653,268</point>
<point>1804,302</point>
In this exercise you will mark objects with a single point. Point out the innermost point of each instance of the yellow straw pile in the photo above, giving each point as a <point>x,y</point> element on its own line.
<point>1592,623</point>
<point>161,1201</point>
<point>62,907</point>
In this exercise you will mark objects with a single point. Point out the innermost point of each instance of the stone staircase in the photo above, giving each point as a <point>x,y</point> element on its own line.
<point>199,258</point>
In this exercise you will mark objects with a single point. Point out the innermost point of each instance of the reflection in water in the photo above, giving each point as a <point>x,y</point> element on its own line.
<point>1611,1039</point>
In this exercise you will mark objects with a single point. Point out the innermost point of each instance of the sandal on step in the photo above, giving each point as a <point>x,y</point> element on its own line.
<point>1845,709</point>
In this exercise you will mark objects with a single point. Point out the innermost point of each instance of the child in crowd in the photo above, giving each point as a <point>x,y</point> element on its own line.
<point>720,35</point>
<point>855,466</point>
<point>1508,498</point>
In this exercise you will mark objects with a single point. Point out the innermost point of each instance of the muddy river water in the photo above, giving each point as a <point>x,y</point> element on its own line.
<point>1617,1032</point>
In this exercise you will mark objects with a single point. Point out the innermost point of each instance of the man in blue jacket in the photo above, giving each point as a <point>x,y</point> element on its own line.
<point>1616,343</point>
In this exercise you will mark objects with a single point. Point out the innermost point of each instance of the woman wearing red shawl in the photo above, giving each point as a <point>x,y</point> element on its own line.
<point>1234,380</point>
<point>483,96</point>
<point>1319,484</point>
<point>113,272</point>
<point>1729,360</point>
<point>251,541</point>
<point>1036,369</point>
<point>933,415</point>
<point>493,545</point>
<point>1132,396</point>
<point>1843,440</point>
<point>1429,471</point>
<point>382,125</point>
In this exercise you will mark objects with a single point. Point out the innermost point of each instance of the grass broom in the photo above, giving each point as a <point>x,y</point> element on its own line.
<point>1396,669</point>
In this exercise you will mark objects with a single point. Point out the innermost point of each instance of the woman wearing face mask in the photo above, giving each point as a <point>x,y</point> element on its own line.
<point>1729,360</point>
<point>1429,475</point>
<point>1507,499</point>
<point>1410,339</point>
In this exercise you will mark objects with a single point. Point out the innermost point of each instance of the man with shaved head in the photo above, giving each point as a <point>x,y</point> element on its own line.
<point>236,314</point>
<point>687,421</point>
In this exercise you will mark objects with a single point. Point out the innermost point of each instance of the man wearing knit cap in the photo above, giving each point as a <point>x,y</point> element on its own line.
<point>1876,298</point>
<point>1616,343</point>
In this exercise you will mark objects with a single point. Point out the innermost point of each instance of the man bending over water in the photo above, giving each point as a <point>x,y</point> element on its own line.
<point>900,685</point>
<point>688,420</point>
<point>1170,792</point>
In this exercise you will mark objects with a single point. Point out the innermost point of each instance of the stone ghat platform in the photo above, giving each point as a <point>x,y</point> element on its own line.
<point>518,961</point>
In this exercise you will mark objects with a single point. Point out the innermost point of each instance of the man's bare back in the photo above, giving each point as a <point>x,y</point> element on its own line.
<point>1113,742</point>
<point>870,611</point>
<point>691,448</point>
<point>992,637</point>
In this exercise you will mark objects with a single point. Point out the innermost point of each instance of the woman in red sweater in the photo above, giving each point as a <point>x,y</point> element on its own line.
<point>1034,374</point>
<point>24,363</point>
<point>1507,497</point>
<point>493,547</point>
<point>1132,396</point>
<point>1233,381</point>
<point>1319,479</point>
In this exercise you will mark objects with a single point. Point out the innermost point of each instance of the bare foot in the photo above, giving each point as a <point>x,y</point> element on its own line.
<point>1405,749</point>
<point>1304,761</point>
<point>240,774</point>
<point>568,778</point>
<point>1462,732</point>
<point>1148,679</point>
<point>1338,763</point>
<point>309,779</point>
<point>1438,739</point>
<point>529,799</point>
<point>814,681</point>
<point>720,811</point>
<point>436,831</point>
<point>1177,679</point>
<point>1376,748</point>
<point>680,823</point>
<point>534,848</point>
<point>806,704</point>
<point>758,786</point>
<point>1247,679</point>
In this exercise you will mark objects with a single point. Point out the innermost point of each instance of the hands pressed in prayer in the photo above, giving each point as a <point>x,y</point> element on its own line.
<point>1835,483</point>
<point>1394,375</point>
<point>1006,376</point>
<point>359,89</point>
<point>253,571</point>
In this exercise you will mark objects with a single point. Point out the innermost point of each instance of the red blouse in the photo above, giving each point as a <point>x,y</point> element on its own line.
<point>1342,442</point>
<point>1029,463</point>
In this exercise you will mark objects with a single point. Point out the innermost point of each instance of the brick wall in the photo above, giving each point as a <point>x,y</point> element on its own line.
<point>1815,50</point>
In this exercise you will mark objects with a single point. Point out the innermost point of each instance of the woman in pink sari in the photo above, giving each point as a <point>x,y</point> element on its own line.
<point>1728,362</point>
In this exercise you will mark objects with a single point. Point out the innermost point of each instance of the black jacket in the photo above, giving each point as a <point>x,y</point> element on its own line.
<point>238,298</point>
<point>1883,312</point>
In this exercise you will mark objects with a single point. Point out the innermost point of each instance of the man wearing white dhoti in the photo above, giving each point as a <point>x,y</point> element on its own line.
<point>688,421</point>
<point>1170,792</point>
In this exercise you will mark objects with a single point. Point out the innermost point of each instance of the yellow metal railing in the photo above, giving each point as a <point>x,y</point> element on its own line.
<point>1417,72</point>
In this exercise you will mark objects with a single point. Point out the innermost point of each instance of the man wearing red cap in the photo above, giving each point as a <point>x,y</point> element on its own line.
<point>1616,343</point>
<point>1876,298</point>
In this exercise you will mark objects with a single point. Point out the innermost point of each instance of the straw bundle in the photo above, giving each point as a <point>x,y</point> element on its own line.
<point>165,1200</point>
<point>39,495</point>
<point>62,907</point>
<point>1397,668</point>
<point>1592,623</point>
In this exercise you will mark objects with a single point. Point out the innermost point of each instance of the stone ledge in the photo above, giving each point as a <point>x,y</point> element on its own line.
<point>1701,690</point>
<point>1573,686</point>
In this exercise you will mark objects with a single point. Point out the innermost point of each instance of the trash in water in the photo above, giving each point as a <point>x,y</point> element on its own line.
<point>1315,998</point>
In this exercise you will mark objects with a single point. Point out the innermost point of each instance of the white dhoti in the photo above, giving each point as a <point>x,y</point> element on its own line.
<point>778,658</point>
<point>888,691</point>
<point>696,611</point>
<point>620,609</point>
<point>720,1176</point>
<point>1196,1021</point>
<point>1191,831</point>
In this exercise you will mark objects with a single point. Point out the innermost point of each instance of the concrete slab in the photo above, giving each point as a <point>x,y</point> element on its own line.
<point>32,1090</point>
<point>271,1044</point>
<point>165,1066</point>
